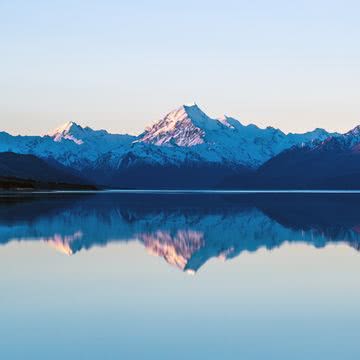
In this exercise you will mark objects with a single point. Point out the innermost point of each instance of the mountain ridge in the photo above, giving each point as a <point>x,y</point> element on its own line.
<point>186,146</point>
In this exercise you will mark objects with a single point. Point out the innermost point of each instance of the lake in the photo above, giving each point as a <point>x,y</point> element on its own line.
<point>180,275</point>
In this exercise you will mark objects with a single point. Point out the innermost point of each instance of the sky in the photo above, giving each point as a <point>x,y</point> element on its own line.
<point>121,65</point>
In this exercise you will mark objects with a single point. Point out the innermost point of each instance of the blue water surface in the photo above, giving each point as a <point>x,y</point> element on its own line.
<point>139,275</point>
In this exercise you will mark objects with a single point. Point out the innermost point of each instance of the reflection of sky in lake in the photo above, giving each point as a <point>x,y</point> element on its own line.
<point>117,301</point>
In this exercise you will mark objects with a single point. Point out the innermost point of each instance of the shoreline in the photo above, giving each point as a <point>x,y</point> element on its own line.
<point>172,191</point>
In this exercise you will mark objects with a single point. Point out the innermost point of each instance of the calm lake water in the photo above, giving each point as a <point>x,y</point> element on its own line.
<point>180,276</point>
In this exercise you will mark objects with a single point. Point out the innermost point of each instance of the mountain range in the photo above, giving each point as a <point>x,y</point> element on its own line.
<point>188,149</point>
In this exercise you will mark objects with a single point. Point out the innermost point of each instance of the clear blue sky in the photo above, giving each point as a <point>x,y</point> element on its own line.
<point>121,65</point>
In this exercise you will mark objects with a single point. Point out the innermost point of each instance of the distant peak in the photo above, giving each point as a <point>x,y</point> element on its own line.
<point>71,123</point>
<point>190,110</point>
<point>318,131</point>
<point>65,127</point>
<point>192,106</point>
<point>355,131</point>
<point>185,126</point>
<point>69,130</point>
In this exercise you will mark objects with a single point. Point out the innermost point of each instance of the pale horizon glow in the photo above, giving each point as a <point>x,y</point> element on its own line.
<point>120,66</point>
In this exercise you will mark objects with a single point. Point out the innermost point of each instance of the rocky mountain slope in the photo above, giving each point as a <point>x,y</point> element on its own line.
<point>30,172</point>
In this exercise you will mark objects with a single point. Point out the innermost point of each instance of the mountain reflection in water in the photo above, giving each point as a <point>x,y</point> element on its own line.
<point>186,230</point>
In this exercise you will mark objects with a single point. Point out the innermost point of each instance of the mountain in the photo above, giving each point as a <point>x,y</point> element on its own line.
<point>185,126</point>
<point>333,163</point>
<point>223,140</point>
<point>70,131</point>
<point>188,149</point>
<point>89,137</point>
<point>185,149</point>
<point>70,144</point>
<point>29,171</point>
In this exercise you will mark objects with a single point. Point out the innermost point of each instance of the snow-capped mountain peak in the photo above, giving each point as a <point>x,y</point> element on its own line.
<point>185,126</point>
<point>70,131</point>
